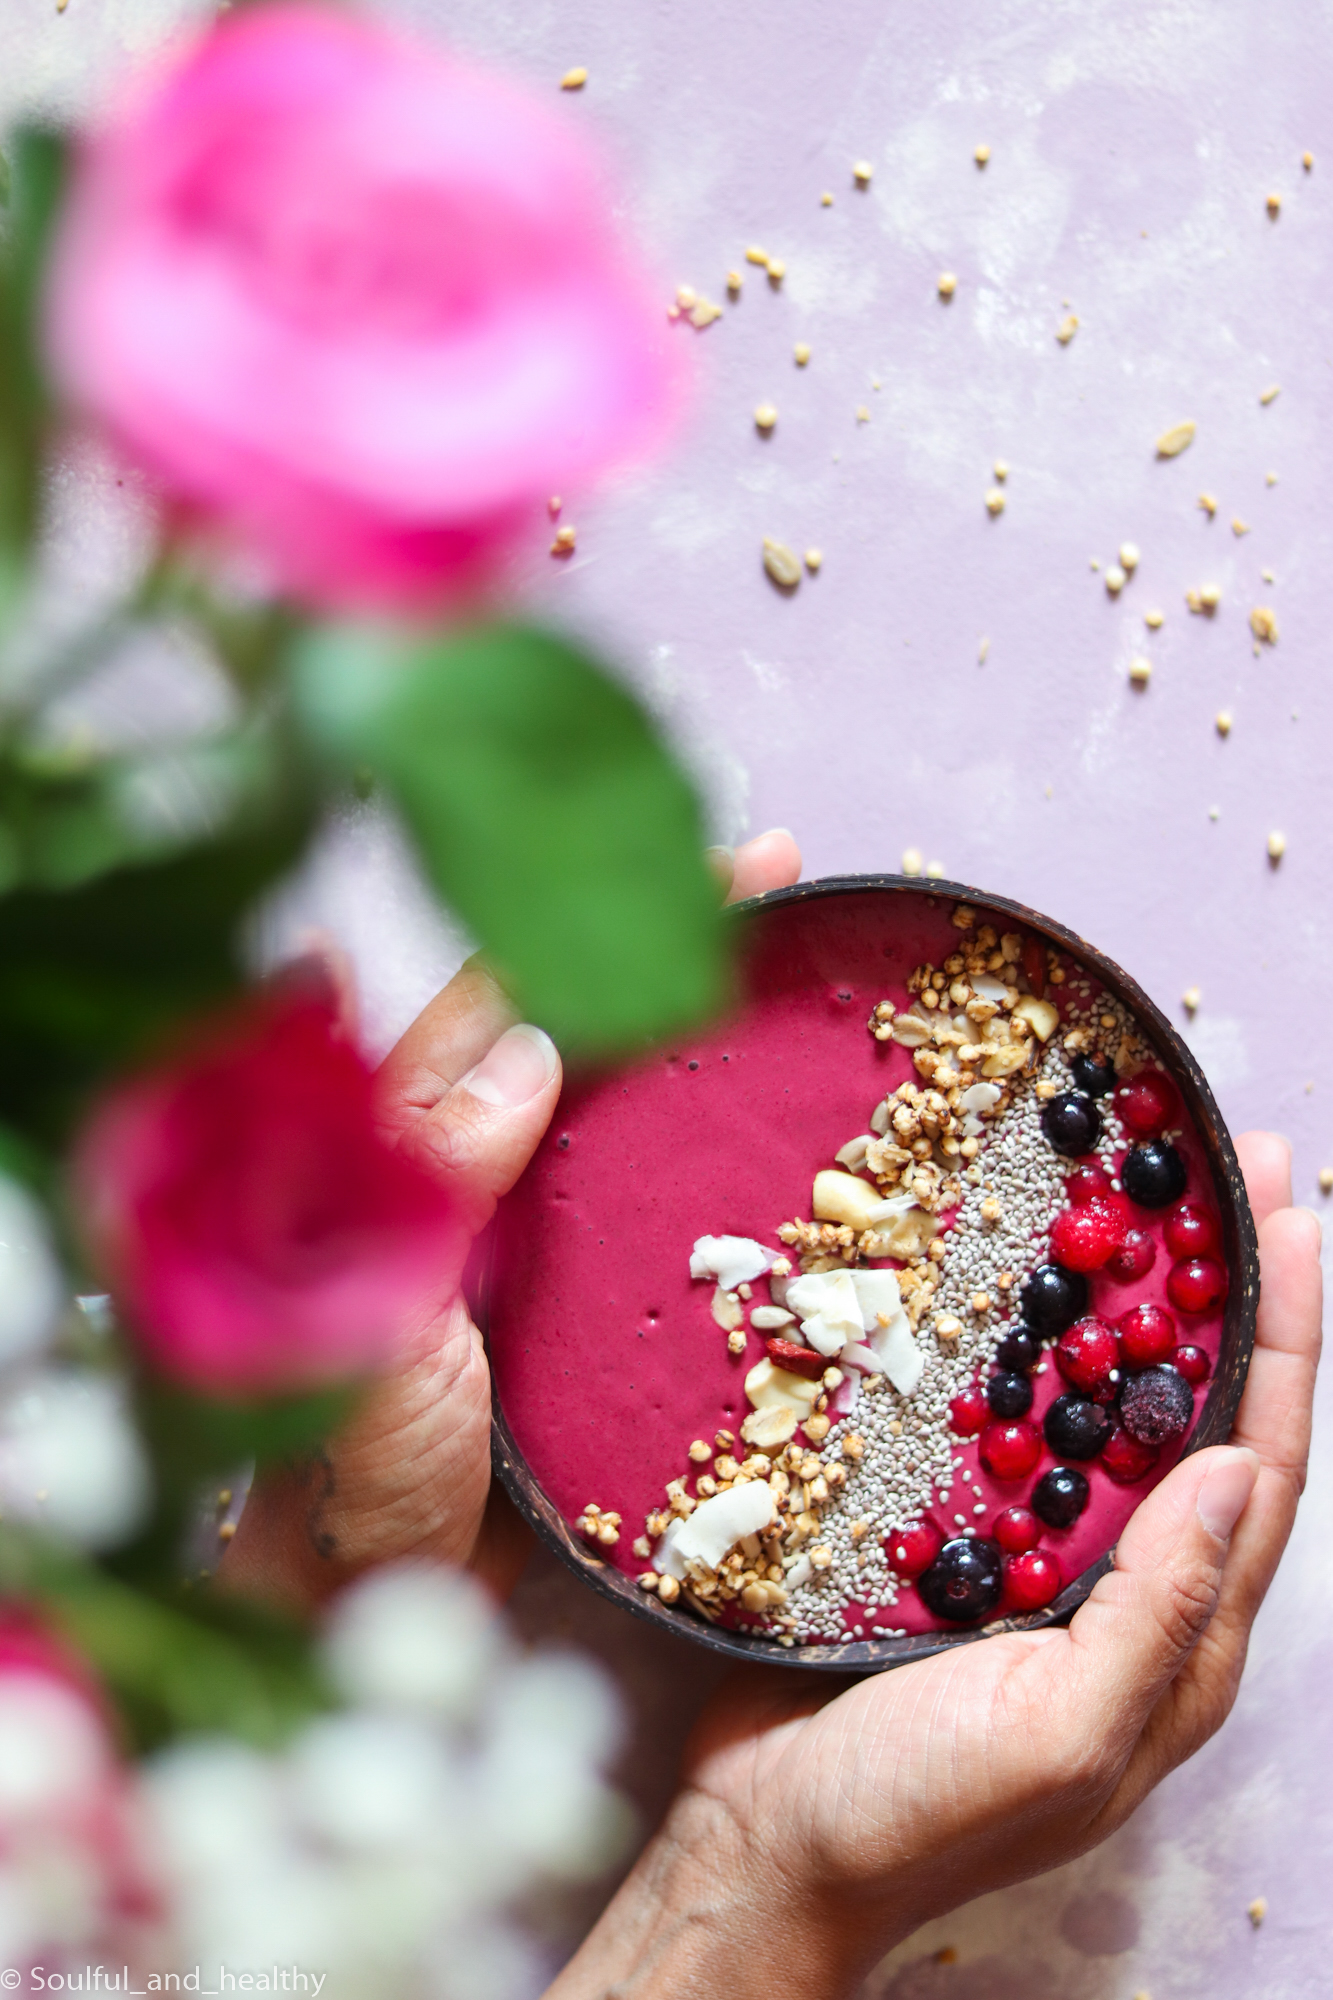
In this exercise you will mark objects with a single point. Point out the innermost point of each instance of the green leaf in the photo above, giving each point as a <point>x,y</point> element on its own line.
<point>92,975</point>
<point>549,814</point>
<point>173,1663</point>
<point>37,179</point>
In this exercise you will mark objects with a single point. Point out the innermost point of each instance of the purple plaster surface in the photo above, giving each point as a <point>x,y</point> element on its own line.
<point>1133,146</point>
<point>1132,150</point>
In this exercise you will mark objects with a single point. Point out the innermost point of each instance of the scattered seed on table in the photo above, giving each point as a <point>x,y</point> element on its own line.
<point>1222,722</point>
<point>1190,999</point>
<point>574,79</point>
<point>1274,205</point>
<point>981,154</point>
<point>994,500</point>
<point>1239,527</point>
<point>814,560</point>
<point>1263,624</point>
<point>946,284</point>
<point>1270,394</point>
<point>1173,441</point>
<point>765,416</point>
<point>781,564</point>
<point>802,353</point>
<point>1129,556</point>
<point>912,862</point>
<point>1326,1180</point>
<point>1208,502</point>
<point>1154,619</point>
<point>1140,671</point>
<point>1115,579</point>
<point>1277,845</point>
<point>1067,328</point>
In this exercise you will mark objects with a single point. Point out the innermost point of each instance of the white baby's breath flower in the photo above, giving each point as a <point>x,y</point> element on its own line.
<point>70,1459</point>
<point>414,1636</point>
<point>32,1293</point>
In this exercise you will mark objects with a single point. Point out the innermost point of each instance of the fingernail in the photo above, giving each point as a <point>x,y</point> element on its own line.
<point>521,1063</point>
<point>1318,1222</point>
<point>769,832</point>
<point>721,858</point>
<point>1224,1492</point>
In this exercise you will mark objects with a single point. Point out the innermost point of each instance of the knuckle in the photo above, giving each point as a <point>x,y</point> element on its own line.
<point>1186,1601</point>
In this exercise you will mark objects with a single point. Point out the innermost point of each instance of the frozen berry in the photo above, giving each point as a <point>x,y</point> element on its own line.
<point>1145,1104</point>
<point>1197,1284</point>
<point>1076,1427</point>
<point>1016,1530</point>
<point>797,1360</point>
<point>1060,1497</point>
<point>1032,1580</point>
<point>1072,1123</point>
<point>1087,1354</point>
<point>1156,1405</point>
<point>914,1548</point>
<point>1134,1259</point>
<point>1154,1174</point>
<point>1085,1182</point>
<point>1009,1395</point>
<point>1192,1363</point>
<point>1084,1238</point>
<point>1147,1334</point>
<point>1053,1298</point>
<point>1093,1075</point>
<point>969,1411</point>
<point>1009,1451</point>
<point>1019,1350</point>
<point>1192,1231</point>
<point>1126,1459</point>
<point>964,1581</point>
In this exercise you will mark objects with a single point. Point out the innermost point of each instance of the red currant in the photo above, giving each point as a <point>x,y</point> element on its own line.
<point>1192,1231</point>
<point>1017,1529</point>
<point>1085,1182</point>
<point>1147,1334</point>
<point>1192,1363</point>
<point>1086,1354</point>
<point>1134,1259</point>
<point>1144,1104</point>
<point>1126,1459</point>
<point>1032,1580</point>
<point>969,1411</point>
<point>914,1549</point>
<point>1197,1284</point>
<point>1009,1451</point>
<point>1083,1238</point>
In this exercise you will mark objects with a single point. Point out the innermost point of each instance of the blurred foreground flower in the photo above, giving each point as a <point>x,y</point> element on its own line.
<point>352,302</point>
<point>72,1883</point>
<point>389,1842</point>
<point>258,1232</point>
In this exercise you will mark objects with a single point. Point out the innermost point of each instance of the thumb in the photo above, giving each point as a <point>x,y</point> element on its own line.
<point>1141,1623</point>
<point>481,1132</point>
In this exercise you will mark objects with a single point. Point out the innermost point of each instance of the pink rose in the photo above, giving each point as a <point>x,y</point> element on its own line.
<point>257,1231</point>
<point>357,305</point>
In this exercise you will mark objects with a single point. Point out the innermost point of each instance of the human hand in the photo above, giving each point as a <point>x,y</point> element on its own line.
<point>469,1092</point>
<point>814,1830</point>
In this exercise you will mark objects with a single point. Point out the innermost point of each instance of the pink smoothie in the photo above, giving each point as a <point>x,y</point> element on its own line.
<point>606,1356</point>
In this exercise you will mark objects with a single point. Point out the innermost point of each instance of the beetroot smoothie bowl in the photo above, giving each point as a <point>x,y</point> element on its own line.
<point>857,1325</point>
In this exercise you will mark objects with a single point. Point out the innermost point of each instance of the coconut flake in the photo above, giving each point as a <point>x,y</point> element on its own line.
<point>987,987</point>
<point>980,1097</point>
<point>829,1308</point>
<point>876,1292</point>
<point>732,1260</point>
<point>767,1319</point>
<point>715,1527</point>
<point>900,1354</point>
